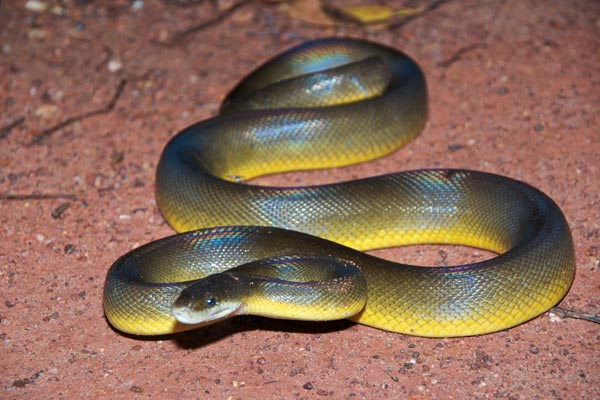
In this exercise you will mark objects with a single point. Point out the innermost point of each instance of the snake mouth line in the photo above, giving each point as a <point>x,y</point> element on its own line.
<point>186,314</point>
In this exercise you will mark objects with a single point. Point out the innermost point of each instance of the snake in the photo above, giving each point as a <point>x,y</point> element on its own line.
<point>301,252</point>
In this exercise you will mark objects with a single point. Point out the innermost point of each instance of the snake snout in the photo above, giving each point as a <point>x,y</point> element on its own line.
<point>212,298</point>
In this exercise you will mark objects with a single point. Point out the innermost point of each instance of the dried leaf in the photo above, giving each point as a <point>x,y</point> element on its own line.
<point>319,12</point>
<point>373,14</point>
<point>309,11</point>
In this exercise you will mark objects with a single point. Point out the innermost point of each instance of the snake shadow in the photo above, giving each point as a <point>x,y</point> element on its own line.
<point>210,334</point>
<point>214,333</point>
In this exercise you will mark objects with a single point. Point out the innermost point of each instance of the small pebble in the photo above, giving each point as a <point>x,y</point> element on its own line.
<point>136,389</point>
<point>455,147</point>
<point>116,157</point>
<point>59,211</point>
<point>21,383</point>
<point>114,65</point>
<point>69,248</point>
<point>36,6</point>
<point>554,317</point>
<point>79,26</point>
<point>54,315</point>
<point>46,111</point>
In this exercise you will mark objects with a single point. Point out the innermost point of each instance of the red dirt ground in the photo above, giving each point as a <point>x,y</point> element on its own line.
<point>515,90</point>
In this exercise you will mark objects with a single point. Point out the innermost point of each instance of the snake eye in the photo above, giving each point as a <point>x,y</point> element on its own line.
<point>210,302</point>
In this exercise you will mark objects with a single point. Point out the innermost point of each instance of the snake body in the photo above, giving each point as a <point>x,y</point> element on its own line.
<point>295,252</point>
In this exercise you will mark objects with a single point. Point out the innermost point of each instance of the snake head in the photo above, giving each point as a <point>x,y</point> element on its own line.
<point>210,299</point>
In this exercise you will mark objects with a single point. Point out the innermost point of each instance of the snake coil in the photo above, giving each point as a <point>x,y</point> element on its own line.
<point>294,252</point>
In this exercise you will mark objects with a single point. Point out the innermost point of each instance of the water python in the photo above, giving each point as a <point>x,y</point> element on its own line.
<point>296,252</point>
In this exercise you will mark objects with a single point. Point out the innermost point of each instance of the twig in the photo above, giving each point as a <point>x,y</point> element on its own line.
<point>458,55</point>
<point>206,24</point>
<point>183,3</point>
<point>38,196</point>
<point>564,313</point>
<point>4,131</point>
<point>429,8</point>
<point>45,134</point>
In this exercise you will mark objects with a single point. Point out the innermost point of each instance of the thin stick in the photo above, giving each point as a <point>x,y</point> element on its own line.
<point>4,131</point>
<point>206,24</point>
<point>46,133</point>
<point>429,8</point>
<point>458,55</point>
<point>38,196</point>
<point>564,313</point>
